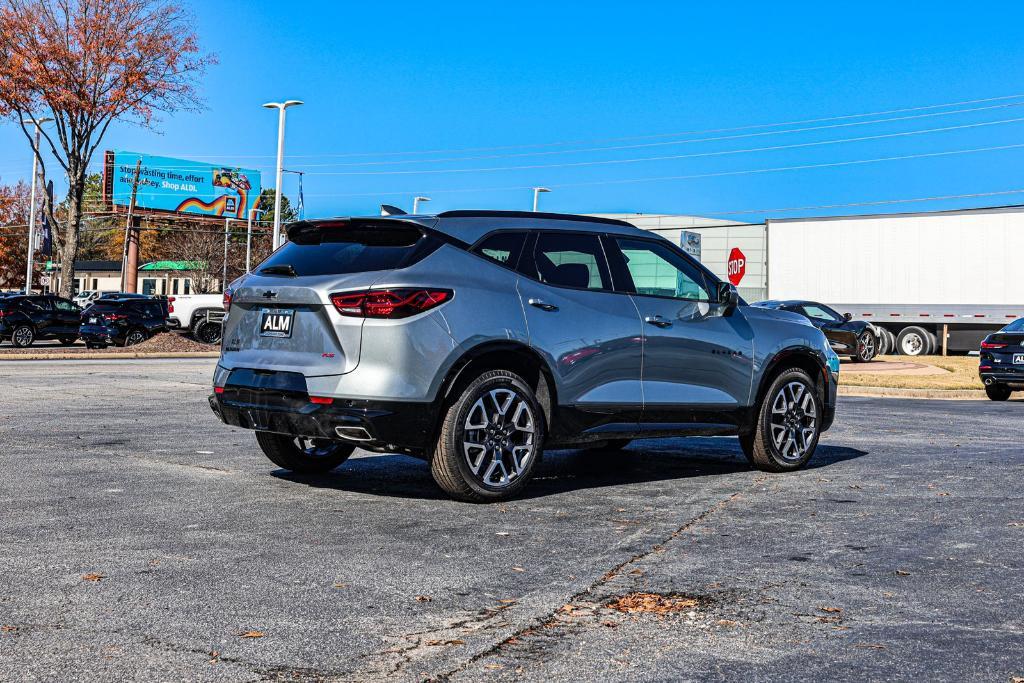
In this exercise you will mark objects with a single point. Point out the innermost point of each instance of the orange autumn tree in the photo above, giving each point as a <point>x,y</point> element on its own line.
<point>86,64</point>
<point>14,211</point>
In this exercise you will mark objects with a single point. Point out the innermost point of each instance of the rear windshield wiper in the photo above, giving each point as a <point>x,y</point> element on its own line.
<point>281,269</point>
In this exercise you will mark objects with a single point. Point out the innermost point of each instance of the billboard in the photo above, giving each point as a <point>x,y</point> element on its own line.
<point>180,186</point>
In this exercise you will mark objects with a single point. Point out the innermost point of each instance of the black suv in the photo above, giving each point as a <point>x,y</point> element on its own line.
<point>26,319</point>
<point>124,321</point>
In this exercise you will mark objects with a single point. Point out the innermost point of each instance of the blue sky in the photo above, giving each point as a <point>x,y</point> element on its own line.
<point>384,79</point>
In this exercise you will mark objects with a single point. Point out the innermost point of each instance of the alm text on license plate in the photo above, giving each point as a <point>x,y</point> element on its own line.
<point>276,323</point>
<point>1018,359</point>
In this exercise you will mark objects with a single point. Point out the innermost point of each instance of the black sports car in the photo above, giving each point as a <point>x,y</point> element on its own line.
<point>848,337</point>
<point>1002,361</point>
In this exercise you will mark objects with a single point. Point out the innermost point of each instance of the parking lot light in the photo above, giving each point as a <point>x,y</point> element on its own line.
<point>536,195</point>
<point>280,106</point>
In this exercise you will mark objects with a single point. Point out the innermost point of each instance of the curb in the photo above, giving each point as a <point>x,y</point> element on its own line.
<point>933,394</point>
<point>107,356</point>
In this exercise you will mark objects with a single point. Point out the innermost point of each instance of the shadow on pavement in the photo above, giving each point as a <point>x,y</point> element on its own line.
<point>562,471</point>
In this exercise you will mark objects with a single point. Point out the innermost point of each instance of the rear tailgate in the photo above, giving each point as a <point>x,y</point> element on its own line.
<point>281,316</point>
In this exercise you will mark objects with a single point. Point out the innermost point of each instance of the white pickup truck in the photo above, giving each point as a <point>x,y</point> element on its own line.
<point>200,314</point>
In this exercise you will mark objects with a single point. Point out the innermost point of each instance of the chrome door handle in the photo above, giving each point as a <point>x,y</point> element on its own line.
<point>658,321</point>
<point>542,305</point>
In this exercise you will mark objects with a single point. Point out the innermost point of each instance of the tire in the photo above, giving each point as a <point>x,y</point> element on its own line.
<point>609,445</point>
<point>491,439</point>
<point>788,424</point>
<point>883,343</point>
<point>913,341</point>
<point>934,345</point>
<point>67,341</point>
<point>867,347</point>
<point>303,455</point>
<point>23,336</point>
<point>890,346</point>
<point>998,392</point>
<point>134,337</point>
<point>207,332</point>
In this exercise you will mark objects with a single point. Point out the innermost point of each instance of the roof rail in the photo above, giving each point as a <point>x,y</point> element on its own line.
<point>470,213</point>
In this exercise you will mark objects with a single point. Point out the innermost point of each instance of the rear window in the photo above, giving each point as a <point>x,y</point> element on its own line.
<point>347,249</point>
<point>1016,326</point>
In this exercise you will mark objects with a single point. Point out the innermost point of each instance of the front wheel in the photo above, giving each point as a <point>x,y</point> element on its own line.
<point>788,424</point>
<point>998,392</point>
<point>135,337</point>
<point>303,455</point>
<point>23,336</point>
<point>491,439</point>
<point>208,332</point>
<point>867,347</point>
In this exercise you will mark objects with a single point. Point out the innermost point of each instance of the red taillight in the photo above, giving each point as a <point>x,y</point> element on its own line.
<point>170,304</point>
<point>321,400</point>
<point>2,312</point>
<point>992,345</point>
<point>218,390</point>
<point>227,300</point>
<point>113,317</point>
<point>389,303</point>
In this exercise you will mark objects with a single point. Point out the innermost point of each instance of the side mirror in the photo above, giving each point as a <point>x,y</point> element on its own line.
<point>728,297</point>
<point>847,317</point>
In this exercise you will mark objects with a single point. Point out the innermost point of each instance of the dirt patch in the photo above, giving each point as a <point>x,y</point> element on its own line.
<point>170,342</point>
<point>653,603</point>
<point>921,372</point>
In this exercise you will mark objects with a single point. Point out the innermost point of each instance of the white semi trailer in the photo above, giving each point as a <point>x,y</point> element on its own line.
<point>929,281</point>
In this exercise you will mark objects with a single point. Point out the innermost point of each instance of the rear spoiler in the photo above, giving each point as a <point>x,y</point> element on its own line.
<point>311,231</point>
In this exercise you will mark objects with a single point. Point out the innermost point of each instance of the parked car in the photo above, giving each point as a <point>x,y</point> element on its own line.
<point>27,319</point>
<point>854,338</point>
<point>86,297</point>
<point>1002,361</point>
<point>446,337</point>
<point>199,314</point>
<point>124,321</point>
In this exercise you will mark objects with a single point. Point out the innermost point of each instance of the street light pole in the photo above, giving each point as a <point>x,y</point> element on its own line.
<point>536,194</point>
<point>280,106</point>
<point>416,203</point>
<point>32,204</point>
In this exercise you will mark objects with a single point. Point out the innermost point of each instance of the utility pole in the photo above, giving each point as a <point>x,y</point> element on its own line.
<point>32,208</point>
<point>536,195</point>
<point>130,261</point>
<point>224,276</point>
<point>280,106</point>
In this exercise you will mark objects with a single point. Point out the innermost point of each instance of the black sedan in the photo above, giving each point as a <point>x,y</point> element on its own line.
<point>848,337</point>
<point>1002,361</point>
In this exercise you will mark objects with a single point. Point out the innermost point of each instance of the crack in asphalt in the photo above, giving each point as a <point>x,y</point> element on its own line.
<point>552,615</point>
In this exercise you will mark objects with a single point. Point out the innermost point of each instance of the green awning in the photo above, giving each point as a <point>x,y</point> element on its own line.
<point>174,265</point>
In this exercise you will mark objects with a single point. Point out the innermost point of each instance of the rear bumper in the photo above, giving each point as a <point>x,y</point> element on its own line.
<point>1008,377</point>
<point>101,334</point>
<point>279,403</point>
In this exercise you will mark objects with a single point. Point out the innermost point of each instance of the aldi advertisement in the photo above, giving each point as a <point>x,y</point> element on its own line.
<point>180,185</point>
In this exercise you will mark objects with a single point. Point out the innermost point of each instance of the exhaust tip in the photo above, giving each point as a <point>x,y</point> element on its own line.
<point>353,433</point>
<point>989,381</point>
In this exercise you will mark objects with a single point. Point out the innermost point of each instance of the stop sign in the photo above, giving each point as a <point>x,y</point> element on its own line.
<point>737,266</point>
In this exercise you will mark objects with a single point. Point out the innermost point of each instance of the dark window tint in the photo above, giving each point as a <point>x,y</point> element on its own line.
<point>38,303</point>
<point>657,270</point>
<point>503,247</point>
<point>568,260</point>
<point>1016,326</point>
<point>64,305</point>
<point>338,250</point>
<point>819,312</point>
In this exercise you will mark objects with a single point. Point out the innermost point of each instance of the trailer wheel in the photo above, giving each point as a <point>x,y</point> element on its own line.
<point>883,342</point>
<point>934,345</point>
<point>913,341</point>
<point>891,348</point>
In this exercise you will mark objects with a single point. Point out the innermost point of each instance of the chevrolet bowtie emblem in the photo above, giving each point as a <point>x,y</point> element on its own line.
<point>270,294</point>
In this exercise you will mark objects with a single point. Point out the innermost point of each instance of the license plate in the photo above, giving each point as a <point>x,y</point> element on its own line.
<point>276,323</point>
<point>1018,359</point>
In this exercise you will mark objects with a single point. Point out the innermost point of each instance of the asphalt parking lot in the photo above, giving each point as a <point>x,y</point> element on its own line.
<point>143,539</point>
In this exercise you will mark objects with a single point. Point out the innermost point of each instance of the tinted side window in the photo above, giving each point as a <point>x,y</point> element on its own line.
<point>38,304</point>
<point>568,260</point>
<point>65,305</point>
<point>657,270</point>
<point>503,247</point>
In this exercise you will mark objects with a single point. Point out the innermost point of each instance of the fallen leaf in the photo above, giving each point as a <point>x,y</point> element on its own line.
<point>518,569</point>
<point>609,624</point>
<point>652,603</point>
<point>887,594</point>
<point>341,585</point>
<point>942,494</point>
<point>252,634</point>
<point>423,598</point>
<point>831,610</point>
<point>900,572</point>
<point>8,629</point>
<point>214,657</point>
<point>727,622</point>
<point>93,576</point>
<point>492,666</point>
<point>507,601</point>
<point>1017,524</point>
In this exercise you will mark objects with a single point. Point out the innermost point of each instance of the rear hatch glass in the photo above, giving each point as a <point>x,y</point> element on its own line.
<point>281,317</point>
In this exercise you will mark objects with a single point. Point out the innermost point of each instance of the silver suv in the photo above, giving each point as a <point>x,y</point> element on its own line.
<point>476,339</point>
